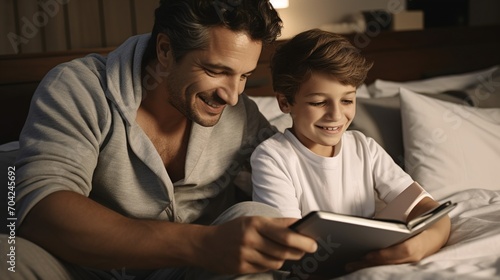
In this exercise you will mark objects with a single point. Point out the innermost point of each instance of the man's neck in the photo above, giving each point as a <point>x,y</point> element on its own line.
<point>168,130</point>
<point>155,107</point>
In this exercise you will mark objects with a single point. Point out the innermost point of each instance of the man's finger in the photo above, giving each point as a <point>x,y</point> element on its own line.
<point>277,230</point>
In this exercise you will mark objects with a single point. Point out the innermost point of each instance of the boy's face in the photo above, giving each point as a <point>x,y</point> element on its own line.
<point>323,110</point>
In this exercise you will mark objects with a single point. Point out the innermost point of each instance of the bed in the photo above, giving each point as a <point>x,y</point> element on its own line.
<point>432,100</point>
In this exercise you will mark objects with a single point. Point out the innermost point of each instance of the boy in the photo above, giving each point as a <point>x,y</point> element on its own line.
<point>318,165</point>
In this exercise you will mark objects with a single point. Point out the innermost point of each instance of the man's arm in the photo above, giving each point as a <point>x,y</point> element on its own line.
<point>79,230</point>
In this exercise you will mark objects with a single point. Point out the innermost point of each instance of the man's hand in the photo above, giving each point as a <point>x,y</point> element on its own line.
<point>251,245</point>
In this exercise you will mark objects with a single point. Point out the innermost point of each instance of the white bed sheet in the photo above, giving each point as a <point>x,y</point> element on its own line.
<point>472,252</point>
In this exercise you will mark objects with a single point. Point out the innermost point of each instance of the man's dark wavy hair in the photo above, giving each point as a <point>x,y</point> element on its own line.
<point>187,22</point>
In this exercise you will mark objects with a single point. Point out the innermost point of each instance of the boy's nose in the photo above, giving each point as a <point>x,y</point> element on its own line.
<point>334,112</point>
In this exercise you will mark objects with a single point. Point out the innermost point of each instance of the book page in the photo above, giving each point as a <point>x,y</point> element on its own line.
<point>401,206</point>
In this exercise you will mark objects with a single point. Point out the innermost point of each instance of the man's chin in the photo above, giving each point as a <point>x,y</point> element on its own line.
<point>207,121</point>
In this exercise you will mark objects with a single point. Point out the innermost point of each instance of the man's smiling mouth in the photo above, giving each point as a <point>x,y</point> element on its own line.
<point>210,102</point>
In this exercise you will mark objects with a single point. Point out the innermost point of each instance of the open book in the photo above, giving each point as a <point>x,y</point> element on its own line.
<point>343,239</point>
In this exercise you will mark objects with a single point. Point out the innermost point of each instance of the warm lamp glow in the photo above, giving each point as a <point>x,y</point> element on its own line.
<point>279,4</point>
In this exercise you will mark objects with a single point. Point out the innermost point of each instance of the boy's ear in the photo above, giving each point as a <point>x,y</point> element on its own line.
<point>283,103</point>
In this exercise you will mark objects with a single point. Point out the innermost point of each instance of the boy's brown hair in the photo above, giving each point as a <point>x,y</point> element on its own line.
<point>316,50</point>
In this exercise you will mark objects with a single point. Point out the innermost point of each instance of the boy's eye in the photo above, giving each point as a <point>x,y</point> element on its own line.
<point>347,101</point>
<point>317,104</point>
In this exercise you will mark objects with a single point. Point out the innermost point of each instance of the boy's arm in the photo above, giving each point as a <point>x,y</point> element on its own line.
<point>79,230</point>
<point>399,208</point>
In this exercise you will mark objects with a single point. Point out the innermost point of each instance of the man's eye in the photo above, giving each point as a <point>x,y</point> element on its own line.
<point>211,73</point>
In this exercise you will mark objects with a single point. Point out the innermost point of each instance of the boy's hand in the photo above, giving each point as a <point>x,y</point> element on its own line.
<point>409,251</point>
<point>414,249</point>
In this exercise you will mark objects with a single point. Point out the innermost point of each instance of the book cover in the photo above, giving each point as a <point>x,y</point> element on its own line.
<point>342,238</point>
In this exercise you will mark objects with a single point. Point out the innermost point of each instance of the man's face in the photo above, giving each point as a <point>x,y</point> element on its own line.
<point>322,111</point>
<point>203,82</point>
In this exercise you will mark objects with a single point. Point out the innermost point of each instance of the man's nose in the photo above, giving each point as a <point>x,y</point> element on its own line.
<point>233,88</point>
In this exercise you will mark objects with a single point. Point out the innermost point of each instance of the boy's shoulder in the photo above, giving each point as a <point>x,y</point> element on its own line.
<point>355,135</point>
<point>277,144</point>
<point>276,140</point>
<point>358,140</point>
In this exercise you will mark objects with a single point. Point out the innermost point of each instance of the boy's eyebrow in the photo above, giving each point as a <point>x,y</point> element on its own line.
<point>224,68</point>
<point>322,94</point>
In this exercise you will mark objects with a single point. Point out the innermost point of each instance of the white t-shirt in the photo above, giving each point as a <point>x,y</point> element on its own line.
<point>288,176</point>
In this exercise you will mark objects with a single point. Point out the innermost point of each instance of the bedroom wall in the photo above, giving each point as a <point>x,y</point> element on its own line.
<point>484,12</point>
<point>28,26</point>
<point>32,26</point>
<point>306,14</point>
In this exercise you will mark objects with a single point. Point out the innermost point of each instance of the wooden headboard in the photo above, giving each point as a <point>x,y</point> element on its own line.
<point>410,55</point>
<point>19,77</point>
<point>397,56</point>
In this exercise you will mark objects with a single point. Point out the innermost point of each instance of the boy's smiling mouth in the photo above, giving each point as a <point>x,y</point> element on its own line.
<point>330,128</point>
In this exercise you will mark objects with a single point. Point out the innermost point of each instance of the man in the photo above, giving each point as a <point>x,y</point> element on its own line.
<point>124,160</point>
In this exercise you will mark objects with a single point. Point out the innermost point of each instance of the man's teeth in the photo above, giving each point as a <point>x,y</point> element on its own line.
<point>209,103</point>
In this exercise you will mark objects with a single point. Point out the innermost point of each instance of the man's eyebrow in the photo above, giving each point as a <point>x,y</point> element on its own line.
<point>224,68</point>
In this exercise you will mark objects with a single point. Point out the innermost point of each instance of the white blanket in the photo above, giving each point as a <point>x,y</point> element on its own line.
<point>472,252</point>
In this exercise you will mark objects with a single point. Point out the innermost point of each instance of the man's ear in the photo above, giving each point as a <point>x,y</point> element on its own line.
<point>163,48</point>
<point>283,103</point>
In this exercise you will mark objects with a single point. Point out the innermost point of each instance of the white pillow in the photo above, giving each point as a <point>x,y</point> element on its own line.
<point>363,92</point>
<point>450,147</point>
<point>268,106</point>
<point>383,88</point>
<point>10,146</point>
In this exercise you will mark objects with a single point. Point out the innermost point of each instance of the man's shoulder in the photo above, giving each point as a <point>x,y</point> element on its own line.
<point>80,82</point>
<point>247,115</point>
<point>245,103</point>
<point>91,63</point>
